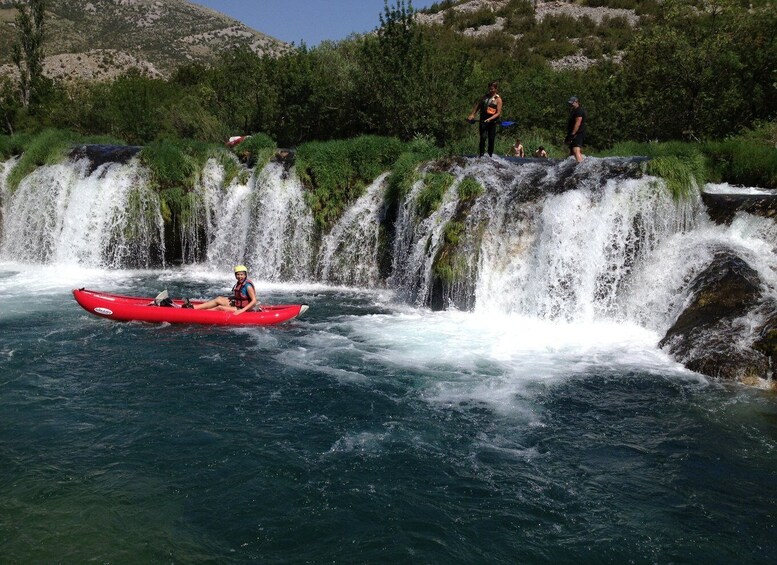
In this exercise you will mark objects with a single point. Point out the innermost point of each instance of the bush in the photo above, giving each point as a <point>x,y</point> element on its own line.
<point>740,161</point>
<point>255,150</point>
<point>335,173</point>
<point>177,163</point>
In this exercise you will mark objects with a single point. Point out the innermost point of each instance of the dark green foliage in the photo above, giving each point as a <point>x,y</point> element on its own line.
<point>739,161</point>
<point>750,160</point>
<point>257,149</point>
<point>177,163</point>
<point>11,145</point>
<point>701,74</point>
<point>27,51</point>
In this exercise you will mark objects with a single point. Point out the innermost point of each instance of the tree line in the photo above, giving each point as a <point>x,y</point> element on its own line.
<point>694,70</point>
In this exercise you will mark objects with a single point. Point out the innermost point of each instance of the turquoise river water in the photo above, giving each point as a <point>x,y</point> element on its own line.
<point>367,431</point>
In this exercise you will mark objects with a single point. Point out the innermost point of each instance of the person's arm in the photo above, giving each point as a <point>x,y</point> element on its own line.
<point>576,126</point>
<point>252,303</point>
<point>475,108</point>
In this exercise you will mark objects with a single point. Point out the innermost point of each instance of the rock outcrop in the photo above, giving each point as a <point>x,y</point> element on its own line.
<point>729,328</point>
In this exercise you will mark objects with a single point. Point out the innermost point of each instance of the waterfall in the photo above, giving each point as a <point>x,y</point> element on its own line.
<point>557,241</point>
<point>580,255</point>
<point>69,213</point>
<point>280,245</point>
<point>227,211</point>
<point>349,253</point>
<point>416,242</point>
<point>264,223</point>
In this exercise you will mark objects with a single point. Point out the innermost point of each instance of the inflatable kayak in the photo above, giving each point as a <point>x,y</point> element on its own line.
<point>131,308</point>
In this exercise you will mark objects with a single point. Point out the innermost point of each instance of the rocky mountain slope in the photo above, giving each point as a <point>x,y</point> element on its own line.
<point>471,19</point>
<point>99,39</point>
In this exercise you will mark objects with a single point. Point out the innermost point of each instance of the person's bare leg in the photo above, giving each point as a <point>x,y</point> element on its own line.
<point>578,153</point>
<point>219,302</point>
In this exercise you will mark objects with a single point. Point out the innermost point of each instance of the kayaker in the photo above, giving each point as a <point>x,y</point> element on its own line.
<point>243,296</point>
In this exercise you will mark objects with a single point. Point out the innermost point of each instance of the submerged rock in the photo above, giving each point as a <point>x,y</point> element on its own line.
<point>715,334</point>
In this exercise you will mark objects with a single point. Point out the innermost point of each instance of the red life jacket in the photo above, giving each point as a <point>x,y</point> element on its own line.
<point>240,298</point>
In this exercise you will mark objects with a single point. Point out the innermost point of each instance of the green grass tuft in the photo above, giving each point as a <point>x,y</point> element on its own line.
<point>49,147</point>
<point>430,197</point>
<point>469,189</point>
<point>336,173</point>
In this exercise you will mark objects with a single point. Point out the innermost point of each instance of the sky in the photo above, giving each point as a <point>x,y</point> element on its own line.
<point>311,21</point>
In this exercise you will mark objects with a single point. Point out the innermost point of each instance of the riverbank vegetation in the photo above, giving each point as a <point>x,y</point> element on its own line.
<point>695,77</point>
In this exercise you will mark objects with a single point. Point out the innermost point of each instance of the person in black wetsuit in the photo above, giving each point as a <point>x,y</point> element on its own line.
<point>576,128</point>
<point>490,106</point>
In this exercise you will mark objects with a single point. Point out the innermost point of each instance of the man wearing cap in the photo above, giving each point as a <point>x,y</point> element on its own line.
<point>576,128</point>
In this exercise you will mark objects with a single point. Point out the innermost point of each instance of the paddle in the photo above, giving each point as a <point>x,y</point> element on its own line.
<point>162,299</point>
<point>505,124</point>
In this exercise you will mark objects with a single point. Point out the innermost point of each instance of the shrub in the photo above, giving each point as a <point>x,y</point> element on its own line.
<point>335,173</point>
<point>741,161</point>
<point>255,149</point>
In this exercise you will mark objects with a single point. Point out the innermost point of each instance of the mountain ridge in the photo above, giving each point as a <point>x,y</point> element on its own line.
<point>100,39</point>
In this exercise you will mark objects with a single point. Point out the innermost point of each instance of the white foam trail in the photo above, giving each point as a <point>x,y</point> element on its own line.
<point>725,188</point>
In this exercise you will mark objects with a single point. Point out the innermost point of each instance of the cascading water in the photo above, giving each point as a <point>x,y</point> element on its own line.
<point>577,256</point>
<point>416,242</point>
<point>280,244</point>
<point>67,213</point>
<point>265,223</point>
<point>620,249</point>
<point>349,253</point>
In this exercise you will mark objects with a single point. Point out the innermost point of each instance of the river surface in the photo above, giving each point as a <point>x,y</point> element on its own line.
<point>367,431</point>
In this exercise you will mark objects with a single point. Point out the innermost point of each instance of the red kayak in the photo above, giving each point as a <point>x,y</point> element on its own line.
<point>132,308</point>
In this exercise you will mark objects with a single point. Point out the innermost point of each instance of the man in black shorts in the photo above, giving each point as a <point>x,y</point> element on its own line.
<point>576,128</point>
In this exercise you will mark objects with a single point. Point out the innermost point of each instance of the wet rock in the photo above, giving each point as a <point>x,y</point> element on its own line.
<point>100,154</point>
<point>287,158</point>
<point>723,207</point>
<point>714,334</point>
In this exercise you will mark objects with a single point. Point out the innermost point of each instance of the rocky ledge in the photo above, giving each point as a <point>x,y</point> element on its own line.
<point>729,328</point>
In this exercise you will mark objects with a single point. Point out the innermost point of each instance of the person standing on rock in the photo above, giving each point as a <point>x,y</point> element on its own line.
<point>490,107</point>
<point>576,128</point>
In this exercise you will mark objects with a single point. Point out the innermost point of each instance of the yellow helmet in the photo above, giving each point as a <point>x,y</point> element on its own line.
<point>242,268</point>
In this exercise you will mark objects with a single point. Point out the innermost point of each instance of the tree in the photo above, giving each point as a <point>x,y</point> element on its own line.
<point>392,87</point>
<point>27,50</point>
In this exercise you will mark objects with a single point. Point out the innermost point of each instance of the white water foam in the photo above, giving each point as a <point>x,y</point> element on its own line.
<point>66,215</point>
<point>725,188</point>
<point>349,253</point>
